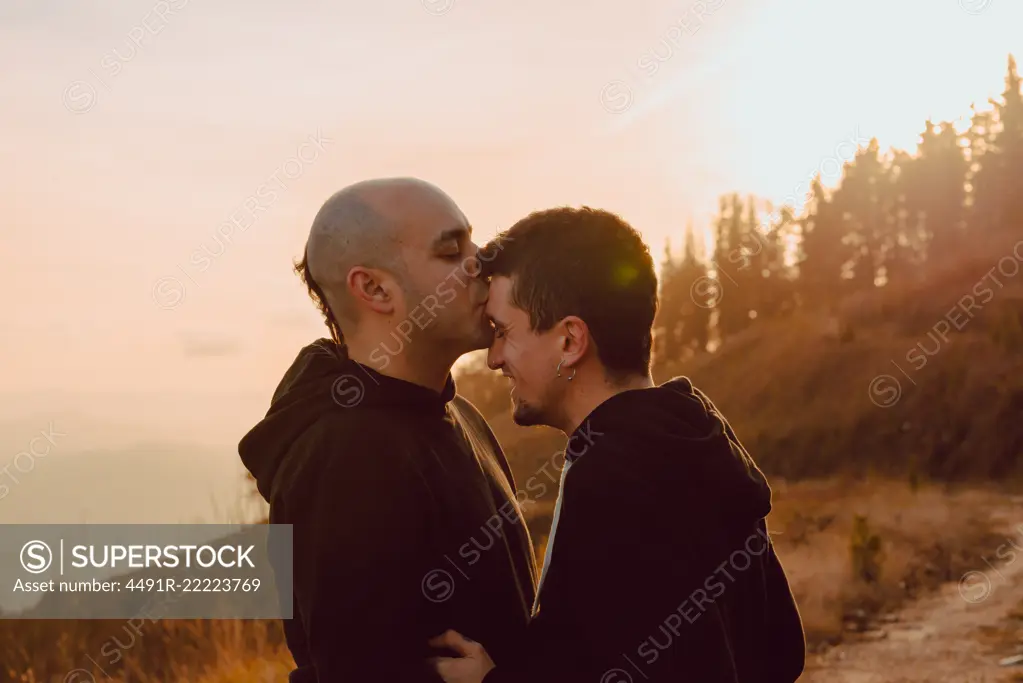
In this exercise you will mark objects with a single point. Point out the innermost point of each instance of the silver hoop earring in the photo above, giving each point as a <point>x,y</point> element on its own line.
<point>572,376</point>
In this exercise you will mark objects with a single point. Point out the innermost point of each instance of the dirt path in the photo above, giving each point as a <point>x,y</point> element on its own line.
<point>939,638</point>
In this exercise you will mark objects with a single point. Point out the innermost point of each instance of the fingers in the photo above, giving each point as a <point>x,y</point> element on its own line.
<point>444,666</point>
<point>456,642</point>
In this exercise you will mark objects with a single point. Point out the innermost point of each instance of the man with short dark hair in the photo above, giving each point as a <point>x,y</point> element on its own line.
<point>402,503</point>
<point>659,566</point>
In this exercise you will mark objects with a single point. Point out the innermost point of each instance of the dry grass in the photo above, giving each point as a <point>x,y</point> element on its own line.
<point>927,536</point>
<point>1005,638</point>
<point>149,651</point>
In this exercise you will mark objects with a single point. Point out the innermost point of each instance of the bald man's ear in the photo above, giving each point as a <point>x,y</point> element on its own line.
<point>372,288</point>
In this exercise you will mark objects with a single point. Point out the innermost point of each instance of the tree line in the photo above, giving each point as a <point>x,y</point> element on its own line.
<point>893,217</point>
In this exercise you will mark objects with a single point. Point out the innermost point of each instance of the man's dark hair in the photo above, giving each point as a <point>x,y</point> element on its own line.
<point>584,262</point>
<point>318,297</point>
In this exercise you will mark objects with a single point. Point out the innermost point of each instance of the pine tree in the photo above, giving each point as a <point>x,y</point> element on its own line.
<point>981,196</point>
<point>866,201</point>
<point>732,266</point>
<point>822,252</point>
<point>997,184</point>
<point>668,319</point>
<point>933,186</point>
<point>696,313</point>
<point>773,288</point>
<point>905,242</point>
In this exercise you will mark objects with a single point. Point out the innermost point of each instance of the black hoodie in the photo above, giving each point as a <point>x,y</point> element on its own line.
<point>661,568</point>
<point>405,520</point>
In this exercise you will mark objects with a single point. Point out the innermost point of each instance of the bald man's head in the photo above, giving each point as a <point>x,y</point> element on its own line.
<point>350,231</point>
<point>404,229</point>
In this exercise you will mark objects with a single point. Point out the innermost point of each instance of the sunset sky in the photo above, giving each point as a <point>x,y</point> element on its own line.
<point>132,131</point>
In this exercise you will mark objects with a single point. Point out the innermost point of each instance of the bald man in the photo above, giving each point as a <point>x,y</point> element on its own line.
<point>404,509</point>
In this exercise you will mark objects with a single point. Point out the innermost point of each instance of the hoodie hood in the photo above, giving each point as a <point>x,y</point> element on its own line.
<point>323,380</point>
<point>673,436</point>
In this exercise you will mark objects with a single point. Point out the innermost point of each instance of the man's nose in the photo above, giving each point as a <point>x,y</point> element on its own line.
<point>494,361</point>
